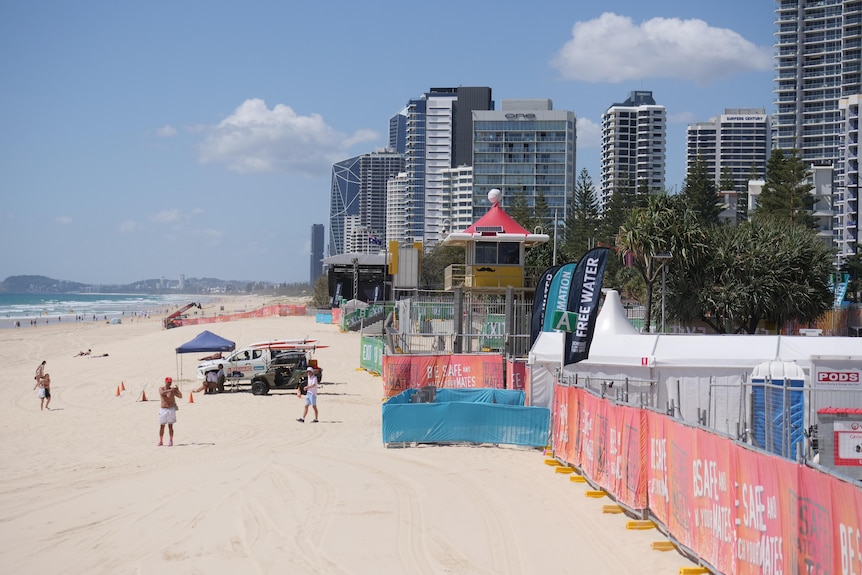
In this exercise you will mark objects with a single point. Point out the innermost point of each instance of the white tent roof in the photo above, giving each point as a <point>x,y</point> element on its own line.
<point>716,350</point>
<point>612,317</point>
<point>548,348</point>
<point>777,370</point>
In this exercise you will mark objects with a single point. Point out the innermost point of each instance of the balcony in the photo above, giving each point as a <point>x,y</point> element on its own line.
<point>484,276</point>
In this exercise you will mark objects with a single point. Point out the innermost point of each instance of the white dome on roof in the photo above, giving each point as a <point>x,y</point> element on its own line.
<point>494,196</point>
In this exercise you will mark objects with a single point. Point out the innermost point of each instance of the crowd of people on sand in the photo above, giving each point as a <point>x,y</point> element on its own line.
<point>34,322</point>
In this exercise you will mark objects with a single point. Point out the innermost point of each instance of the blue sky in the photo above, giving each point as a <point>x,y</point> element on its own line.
<point>149,139</point>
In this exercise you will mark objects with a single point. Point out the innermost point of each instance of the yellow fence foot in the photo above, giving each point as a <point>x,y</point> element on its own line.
<point>662,546</point>
<point>612,509</point>
<point>595,494</point>
<point>552,462</point>
<point>693,570</point>
<point>578,479</point>
<point>563,469</point>
<point>640,524</point>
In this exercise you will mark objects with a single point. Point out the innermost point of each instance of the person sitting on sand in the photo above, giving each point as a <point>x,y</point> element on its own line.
<point>209,383</point>
<point>80,353</point>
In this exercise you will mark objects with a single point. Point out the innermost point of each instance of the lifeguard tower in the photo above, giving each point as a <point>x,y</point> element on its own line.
<point>494,248</point>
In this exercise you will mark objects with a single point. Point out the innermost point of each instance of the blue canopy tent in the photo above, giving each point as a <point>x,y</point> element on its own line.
<point>205,341</point>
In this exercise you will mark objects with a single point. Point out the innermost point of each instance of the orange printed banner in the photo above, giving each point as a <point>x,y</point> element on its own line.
<point>516,375</point>
<point>402,372</point>
<point>740,510</point>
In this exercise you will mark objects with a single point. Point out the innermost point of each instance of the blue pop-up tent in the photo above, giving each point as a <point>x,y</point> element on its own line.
<point>205,341</point>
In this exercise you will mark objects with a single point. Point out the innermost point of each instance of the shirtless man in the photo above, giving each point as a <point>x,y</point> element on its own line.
<point>43,384</point>
<point>168,410</point>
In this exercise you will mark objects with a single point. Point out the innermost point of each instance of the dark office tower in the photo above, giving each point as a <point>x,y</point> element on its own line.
<point>468,99</point>
<point>317,243</point>
<point>398,132</point>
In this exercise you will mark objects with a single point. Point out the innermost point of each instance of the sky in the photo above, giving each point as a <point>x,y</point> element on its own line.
<point>142,140</point>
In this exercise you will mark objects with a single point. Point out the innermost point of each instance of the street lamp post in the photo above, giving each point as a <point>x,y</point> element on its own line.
<point>663,257</point>
<point>555,237</point>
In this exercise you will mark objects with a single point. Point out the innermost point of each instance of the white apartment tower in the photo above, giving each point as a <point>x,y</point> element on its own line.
<point>739,141</point>
<point>634,135</point>
<point>396,209</point>
<point>846,230</point>
<point>458,204</point>
<point>818,62</point>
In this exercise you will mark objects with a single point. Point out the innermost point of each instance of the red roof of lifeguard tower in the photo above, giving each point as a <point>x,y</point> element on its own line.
<point>496,224</point>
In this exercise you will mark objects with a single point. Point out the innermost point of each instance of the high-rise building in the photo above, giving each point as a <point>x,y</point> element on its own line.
<point>737,142</point>
<point>398,132</point>
<point>439,137</point>
<point>818,62</point>
<point>524,149</point>
<point>343,201</point>
<point>397,209</point>
<point>359,192</point>
<point>847,220</point>
<point>634,135</point>
<point>414,160</point>
<point>317,246</point>
<point>458,206</point>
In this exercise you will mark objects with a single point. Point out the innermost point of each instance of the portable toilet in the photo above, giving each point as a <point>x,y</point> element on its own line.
<point>778,407</point>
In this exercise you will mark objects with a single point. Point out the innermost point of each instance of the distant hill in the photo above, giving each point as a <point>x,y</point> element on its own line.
<point>43,284</point>
<point>39,284</point>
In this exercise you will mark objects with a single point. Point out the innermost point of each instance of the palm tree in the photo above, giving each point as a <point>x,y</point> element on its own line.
<point>666,228</point>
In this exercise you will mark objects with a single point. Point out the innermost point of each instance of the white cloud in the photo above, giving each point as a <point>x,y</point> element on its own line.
<point>611,48</point>
<point>64,220</point>
<point>167,131</point>
<point>589,134</point>
<point>257,139</point>
<point>166,216</point>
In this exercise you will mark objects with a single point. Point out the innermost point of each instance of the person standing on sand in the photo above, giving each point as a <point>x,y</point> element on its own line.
<point>310,395</point>
<point>44,385</point>
<point>168,410</point>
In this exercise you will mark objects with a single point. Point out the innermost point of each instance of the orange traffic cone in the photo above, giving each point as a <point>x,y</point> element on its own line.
<point>118,391</point>
<point>191,397</point>
<point>123,386</point>
<point>143,396</point>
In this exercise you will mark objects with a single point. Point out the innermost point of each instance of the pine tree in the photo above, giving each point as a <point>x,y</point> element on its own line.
<point>787,195</point>
<point>699,194</point>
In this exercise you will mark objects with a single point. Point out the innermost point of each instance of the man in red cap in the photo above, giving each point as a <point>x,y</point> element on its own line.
<point>168,411</point>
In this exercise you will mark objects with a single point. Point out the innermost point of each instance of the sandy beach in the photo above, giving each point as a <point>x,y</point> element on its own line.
<point>248,489</point>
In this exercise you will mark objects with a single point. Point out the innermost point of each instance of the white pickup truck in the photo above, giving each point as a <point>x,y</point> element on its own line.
<point>253,359</point>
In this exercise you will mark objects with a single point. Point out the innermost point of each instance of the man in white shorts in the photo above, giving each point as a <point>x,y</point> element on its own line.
<point>168,411</point>
<point>310,395</point>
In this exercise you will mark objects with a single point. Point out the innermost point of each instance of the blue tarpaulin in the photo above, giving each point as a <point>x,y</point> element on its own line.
<point>465,416</point>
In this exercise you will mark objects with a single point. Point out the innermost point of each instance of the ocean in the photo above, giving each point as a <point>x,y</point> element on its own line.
<point>53,308</point>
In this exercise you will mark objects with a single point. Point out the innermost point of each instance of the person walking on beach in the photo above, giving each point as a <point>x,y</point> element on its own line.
<point>168,409</point>
<point>310,395</point>
<point>43,384</point>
